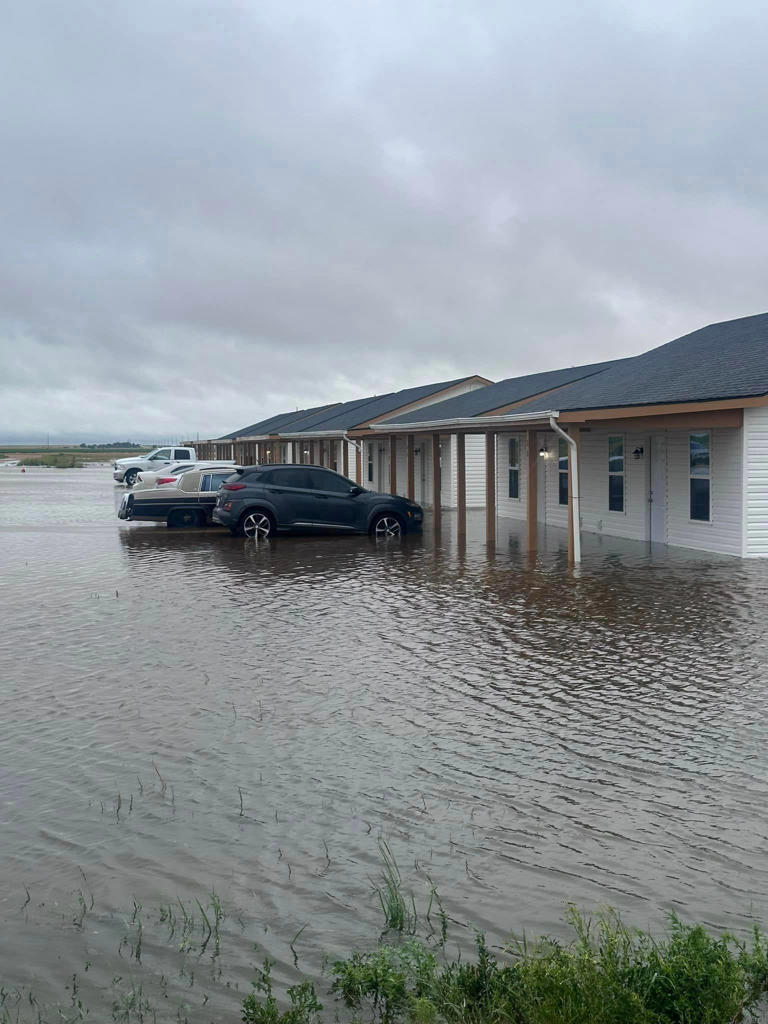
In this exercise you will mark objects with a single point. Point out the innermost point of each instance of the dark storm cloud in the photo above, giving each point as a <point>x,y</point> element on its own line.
<point>212,213</point>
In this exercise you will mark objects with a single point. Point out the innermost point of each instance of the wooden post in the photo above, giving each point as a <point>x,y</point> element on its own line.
<point>490,487</point>
<point>393,464</point>
<point>532,493</point>
<point>461,486</point>
<point>312,456</point>
<point>345,457</point>
<point>411,492</point>
<point>358,463</point>
<point>576,435</point>
<point>437,509</point>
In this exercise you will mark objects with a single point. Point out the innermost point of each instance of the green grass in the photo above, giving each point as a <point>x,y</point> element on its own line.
<point>607,973</point>
<point>54,461</point>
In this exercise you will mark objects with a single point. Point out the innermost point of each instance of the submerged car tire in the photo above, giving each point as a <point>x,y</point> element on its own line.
<point>386,524</point>
<point>185,517</point>
<point>256,524</point>
<point>130,477</point>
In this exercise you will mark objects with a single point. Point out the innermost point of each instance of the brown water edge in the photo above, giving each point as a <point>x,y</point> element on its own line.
<point>522,734</point>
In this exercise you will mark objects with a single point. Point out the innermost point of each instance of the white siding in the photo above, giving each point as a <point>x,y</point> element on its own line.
<point>474,448</point>
<point>724,532</point>
<point>512,508</point>
<point>593,465</point>
<point>755,478</point>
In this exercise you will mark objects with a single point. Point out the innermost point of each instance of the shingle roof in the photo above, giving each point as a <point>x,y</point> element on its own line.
<point>351,414</point>
<point>496,396</point>
<point>724,360</point>
<point>273,423</point>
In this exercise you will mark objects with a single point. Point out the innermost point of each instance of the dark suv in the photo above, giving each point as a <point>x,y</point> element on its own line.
<point>260,500</point>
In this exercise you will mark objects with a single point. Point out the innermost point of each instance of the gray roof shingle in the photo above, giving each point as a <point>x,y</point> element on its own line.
<point>351,414</point>
<point>276,422</point>
<point>496,396</point>
<point>720,361</point>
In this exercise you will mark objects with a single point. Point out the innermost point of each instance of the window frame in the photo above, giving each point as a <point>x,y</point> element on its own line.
<point>513,467</point>
<point>623,474</point>
<point>700,476</point>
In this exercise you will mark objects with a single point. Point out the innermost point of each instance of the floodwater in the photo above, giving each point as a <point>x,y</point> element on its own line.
<point>186,713</point>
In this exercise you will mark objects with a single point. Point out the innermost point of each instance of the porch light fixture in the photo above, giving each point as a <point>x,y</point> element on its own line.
<point>638,453</point>
<point>544,451</point>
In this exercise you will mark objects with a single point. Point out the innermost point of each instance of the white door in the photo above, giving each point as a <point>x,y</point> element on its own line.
<point>657,491</point>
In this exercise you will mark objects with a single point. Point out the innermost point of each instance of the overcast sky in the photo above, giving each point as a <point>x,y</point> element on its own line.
<point>216,211</point>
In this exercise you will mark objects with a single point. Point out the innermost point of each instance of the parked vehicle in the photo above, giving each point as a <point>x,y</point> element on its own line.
<point>259,501</point>
<point>189,503</point>
<point>126,470</point>
<point>170,475</point>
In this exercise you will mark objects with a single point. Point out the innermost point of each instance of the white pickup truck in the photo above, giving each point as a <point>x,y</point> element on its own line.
<point>126,470</point>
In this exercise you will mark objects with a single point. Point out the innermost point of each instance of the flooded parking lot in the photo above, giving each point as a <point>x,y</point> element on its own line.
<point>185,713</point>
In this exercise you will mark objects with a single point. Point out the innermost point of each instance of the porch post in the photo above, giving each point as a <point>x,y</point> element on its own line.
<point>393,464</point>
<point>572,526</point>
<point>461,486</point>
<point>345,457</point>
<point>312,453</point>
<point>437,508</point>
<point>532,513</point>
<point>411,491</point>
<point>359,463</point>
<point>490,487</point>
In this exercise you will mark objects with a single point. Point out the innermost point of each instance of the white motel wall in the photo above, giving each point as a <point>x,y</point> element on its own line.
<point>656,466</point>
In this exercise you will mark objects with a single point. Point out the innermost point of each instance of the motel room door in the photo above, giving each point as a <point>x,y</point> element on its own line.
<point>657,490</point>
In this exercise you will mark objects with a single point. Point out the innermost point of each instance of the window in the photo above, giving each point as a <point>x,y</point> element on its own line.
<point>181,454</point>
<point>205,482</point>
<point>218,479</point>
<point>616,474</point>
<point>370,463</point>
<point>164,453</point>
<point>322,480</point>
<point>562,471</point>
<point>293,477</point>
<point>700,475</point>
<point>514,467</point>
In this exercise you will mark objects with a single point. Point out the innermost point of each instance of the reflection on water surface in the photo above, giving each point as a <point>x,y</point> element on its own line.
<point>521,734</point>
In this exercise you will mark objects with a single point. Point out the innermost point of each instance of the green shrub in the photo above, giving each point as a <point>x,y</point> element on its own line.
<point>607,974</point>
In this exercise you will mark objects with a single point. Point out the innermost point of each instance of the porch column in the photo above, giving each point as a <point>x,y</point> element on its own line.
<point>312,454</point>
<point>359,463</point>
<point>490,487</point>
<point>345,457</point>
<point>532,513</point>
<point>411,491</point>
<point>393,464</point>
<point>461,486</point>
<point>437,509</point>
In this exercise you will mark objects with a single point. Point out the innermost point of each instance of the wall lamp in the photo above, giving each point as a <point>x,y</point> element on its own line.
<point>544,452</point>
<point>638,453</point>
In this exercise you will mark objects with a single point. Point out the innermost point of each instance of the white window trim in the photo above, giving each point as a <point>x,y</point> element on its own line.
<point>689,435</point>
<point>518,438</point>
<point>558,471</point>
<point>623,473</point>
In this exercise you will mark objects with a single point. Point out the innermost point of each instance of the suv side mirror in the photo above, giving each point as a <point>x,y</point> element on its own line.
<point>355,490</point>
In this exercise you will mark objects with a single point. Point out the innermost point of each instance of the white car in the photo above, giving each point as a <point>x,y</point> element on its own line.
<point>169,477</point>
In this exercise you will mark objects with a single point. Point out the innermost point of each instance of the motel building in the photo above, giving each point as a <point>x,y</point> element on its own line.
<point>668,447</point>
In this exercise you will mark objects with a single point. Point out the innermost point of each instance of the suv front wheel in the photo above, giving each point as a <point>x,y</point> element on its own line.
<point>386,524</point>
<point>256,524</point>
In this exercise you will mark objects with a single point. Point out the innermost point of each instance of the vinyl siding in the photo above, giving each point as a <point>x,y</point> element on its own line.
<point>596,517</point>
<point>755,479</point>
<point>723,533</point>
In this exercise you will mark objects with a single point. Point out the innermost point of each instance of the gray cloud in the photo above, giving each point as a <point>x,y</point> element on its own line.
<point>213,213</point>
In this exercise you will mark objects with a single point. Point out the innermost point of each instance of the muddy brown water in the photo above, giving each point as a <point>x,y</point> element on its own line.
<point>185,712</point>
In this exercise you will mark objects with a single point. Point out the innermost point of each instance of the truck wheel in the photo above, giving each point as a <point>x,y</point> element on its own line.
<point>257,525</point>
<point>130,477</point>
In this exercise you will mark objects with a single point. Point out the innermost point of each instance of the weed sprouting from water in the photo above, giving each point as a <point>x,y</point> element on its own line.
<point>399,909</point>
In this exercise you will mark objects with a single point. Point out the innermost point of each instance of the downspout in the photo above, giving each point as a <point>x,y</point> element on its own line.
<point>358,446</point>
<point>575,492</point>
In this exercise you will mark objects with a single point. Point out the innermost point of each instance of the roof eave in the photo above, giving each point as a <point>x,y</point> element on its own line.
<point>463,422</point>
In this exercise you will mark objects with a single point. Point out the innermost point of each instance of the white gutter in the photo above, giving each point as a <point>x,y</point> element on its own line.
<point>479,422</point>
<point>575,491</point>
